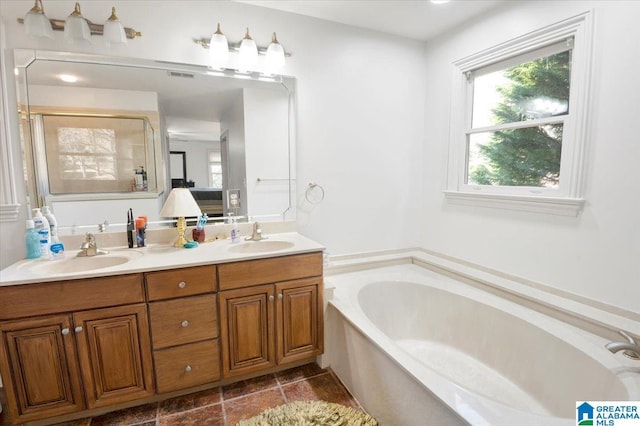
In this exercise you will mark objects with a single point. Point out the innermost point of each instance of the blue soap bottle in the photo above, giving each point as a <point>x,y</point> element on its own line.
<point>32,241</point>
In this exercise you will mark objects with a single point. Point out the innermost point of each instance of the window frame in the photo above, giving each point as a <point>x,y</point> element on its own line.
<point>564,200</point>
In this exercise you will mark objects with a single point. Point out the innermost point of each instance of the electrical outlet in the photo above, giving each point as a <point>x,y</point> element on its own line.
<point>233,199</point>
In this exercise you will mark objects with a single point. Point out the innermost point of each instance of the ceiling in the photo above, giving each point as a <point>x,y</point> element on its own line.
<point>416,19</point>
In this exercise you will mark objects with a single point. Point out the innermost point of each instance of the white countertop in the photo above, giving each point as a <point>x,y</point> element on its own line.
<point>153,258</point>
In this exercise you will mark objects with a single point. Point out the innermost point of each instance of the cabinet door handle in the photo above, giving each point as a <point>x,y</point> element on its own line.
<point>78,329</point>
<point>187,369</point>
<point>184,323</point>
<point>280,296</point>
<point>65,331</point>
<point>271,298</point>
<point>182,284</point>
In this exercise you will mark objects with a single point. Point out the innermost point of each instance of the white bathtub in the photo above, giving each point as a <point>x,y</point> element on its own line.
<point>416,347</point>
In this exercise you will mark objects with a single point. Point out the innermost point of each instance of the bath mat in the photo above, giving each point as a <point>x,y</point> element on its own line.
<point>312,413</point>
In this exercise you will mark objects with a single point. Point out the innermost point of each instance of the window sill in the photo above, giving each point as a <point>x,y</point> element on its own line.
<point>533,204</point>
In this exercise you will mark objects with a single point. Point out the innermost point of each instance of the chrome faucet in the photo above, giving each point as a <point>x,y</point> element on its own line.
<point>90,247</point>
<point>257,233</point>
<point>630,348</point>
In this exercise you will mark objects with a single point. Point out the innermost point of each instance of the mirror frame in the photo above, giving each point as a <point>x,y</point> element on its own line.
<point>24,57</point>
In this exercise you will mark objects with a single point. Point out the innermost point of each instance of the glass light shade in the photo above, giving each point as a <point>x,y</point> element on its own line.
<point>218,49</point>
<point>76,28</point>
<point>275,55</point>
<point>248,53</point>
<point>36,23</point>
<point>113,31</point>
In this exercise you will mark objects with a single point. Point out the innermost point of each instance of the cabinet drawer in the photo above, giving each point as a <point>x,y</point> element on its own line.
<point>64,296</point>
<point>181,282</point>
<point>186,320</point>
<point>266,271</point>
<point>188,365</point>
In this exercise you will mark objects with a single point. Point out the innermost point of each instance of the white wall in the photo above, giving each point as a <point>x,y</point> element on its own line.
<point>595,255</point>
<point>267,151</point>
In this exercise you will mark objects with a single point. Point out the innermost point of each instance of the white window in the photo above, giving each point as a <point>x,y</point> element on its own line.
<point>215,169</point>
<point>518,121</point>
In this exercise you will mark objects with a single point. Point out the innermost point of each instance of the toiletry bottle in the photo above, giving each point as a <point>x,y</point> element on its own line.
<point>42,228</point>
<point>56,248</point>
<point>32,241</point>
<point>138,178</point>
<point>145,182</point>
<point>141,225</point>
<point>235,232</point>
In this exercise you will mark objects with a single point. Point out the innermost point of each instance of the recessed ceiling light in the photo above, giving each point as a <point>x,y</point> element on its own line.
<point>439,1</point>
<point>68,78</point>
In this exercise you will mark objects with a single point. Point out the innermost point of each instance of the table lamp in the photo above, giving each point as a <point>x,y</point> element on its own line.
<point>180,204</point>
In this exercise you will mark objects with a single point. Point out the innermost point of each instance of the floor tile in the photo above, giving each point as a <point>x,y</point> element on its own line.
<point>303,372</point>
<point>211,415</point>
<point>80,422</point>
<point>128,416</point>
<point>246,387</point>
<point>323,388</point>
<point>251,405</point>
<point>190,401</point>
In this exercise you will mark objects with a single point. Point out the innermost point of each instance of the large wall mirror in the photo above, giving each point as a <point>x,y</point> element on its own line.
<point>97,134</point>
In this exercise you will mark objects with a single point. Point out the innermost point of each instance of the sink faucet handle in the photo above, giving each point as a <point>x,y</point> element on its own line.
<point>627,336</point>
<point>91,239</point>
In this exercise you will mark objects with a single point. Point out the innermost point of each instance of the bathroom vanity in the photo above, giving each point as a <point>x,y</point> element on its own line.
<point>166,323</point>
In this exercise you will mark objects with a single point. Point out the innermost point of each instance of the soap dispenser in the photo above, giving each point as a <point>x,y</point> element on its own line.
<point>32,241</point>
<point>42,228</point>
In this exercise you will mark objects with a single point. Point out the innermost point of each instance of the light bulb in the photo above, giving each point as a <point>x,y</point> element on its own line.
<point>218,49</point>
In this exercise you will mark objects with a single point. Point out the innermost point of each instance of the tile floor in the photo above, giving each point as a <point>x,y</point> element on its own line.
<point>225,406</point>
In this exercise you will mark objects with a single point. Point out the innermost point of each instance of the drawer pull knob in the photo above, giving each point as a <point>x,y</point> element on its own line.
<point>187,369</point>
<point>271,298</point>
<point>185,323</point>
<point>78,329</point>
<point>280,296</point>
<point>182,284</point>
<point>65,331</point>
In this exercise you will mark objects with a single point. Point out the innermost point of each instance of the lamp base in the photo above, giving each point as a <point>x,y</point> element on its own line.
<point>181,226</point>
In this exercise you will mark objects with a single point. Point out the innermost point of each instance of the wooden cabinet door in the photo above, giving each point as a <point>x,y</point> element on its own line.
<point>39,367</point>
<point>247,332</point>
<point>299,319</point>
<point>115,354</point>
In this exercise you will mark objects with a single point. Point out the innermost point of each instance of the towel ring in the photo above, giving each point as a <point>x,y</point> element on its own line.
<point>314,193</point>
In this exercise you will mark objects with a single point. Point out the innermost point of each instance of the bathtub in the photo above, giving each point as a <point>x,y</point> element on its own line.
<point>416,347</point>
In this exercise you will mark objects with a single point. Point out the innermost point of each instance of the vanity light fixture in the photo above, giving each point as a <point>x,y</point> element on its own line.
<point>248,53</point>
<point>36,23</point>
<point>180,204</point>
<point>76,26</point>
<point>218,49</point>
<point>247,50</point>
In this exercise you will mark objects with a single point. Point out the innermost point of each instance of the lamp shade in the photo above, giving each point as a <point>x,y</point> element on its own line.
<point>36,23</point>
<point>180,203</point>
<point>248,53</point>
<point>76,28</point>
<point>218,49</point>
<point>275,55</point>
<point>113,31</point>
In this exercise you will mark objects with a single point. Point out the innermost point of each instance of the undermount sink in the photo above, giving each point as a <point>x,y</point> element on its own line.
<point>263,246</point>
<point>72,263</point>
